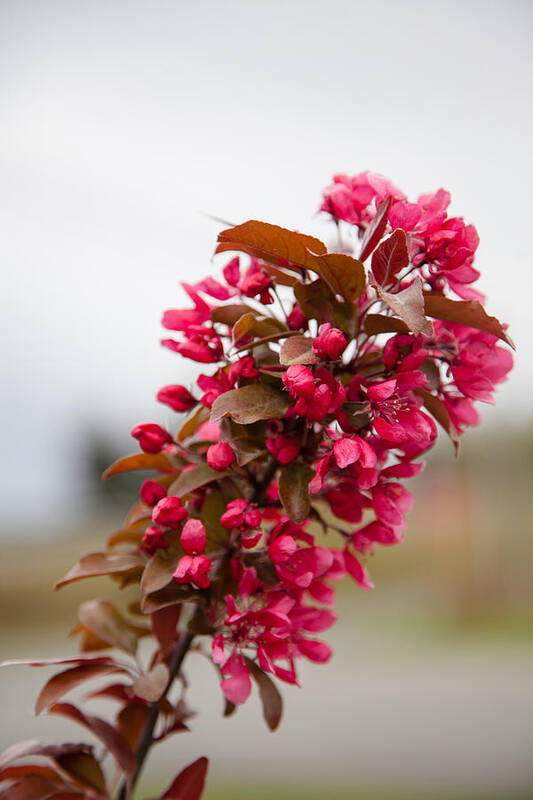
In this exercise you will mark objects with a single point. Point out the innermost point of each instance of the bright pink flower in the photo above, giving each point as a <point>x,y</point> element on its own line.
<point>220,456</point>
<point>330,343</point>
<point>284,448</point>
<point>297,320</point>
<point>213,288</point>
<point>177,397</point>
<point>357,571</point>
<point>396,416</point>
<point>243,368</point>
<point>237,686</point>
<point>232,272</point>
<point>151,437</point>
<point>151,492</point>
<point>202,345</point>
<point>213,386</point>
<point>169,511</point>
<point>257,282</point>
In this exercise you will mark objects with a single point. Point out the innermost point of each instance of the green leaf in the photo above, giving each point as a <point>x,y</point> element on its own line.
<point>464,312</point>
<point>249,404</point>
<point>294,490</point>
<point>271,699</point>
<point>409,306</point>
<point>194,478</point>
<point>297,350</point>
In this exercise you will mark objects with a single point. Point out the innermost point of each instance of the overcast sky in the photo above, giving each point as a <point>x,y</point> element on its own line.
<point>121,122</point>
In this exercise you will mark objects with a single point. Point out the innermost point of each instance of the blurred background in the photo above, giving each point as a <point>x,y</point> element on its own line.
<point>123,125</point>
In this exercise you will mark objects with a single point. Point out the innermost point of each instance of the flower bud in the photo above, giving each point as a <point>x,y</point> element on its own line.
<point>177,397</point>
<point>152,438</point>
<point>220,456</point>
<point>330,343</point>
<point>151,492</point>
<point>299,381</point>
<point>284,448</point>
<point>169,511</point>
<point>193,538</point>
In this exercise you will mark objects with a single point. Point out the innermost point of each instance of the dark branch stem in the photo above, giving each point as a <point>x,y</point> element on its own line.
<point>184,642</point>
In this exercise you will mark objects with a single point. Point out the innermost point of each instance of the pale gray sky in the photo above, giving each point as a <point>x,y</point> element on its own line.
<point>121,121</point>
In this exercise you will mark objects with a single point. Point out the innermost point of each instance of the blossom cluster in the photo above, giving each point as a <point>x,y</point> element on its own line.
<point>357,410</point>
<point>325,378</point>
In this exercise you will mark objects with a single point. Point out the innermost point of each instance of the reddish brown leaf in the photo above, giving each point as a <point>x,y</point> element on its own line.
<point>249,404</point>
<point>380,323</point>
<point>168,596</point>
<point>110,736</point>
<point>164,625</point>
<point>189,785</point>
<point>437,409</point>
<point>409,306</point>
<point>375,230</point>
<point>157,461</point>
<point>316,300</point>
<point>294,489</point>
<point>270,697</point>
<point>243,326</point>
<point>465,312</point>
<point>271,243</point>
<point>343,274</point>
<point>33,747</point>
<point>103,619</point>
<point>64,681</point>
<point>94,564</point>
<point>194,478</point>
<point>131,721</point>
<point>297,350</point>
<point>151,685</point>
<point>84,768</point>
<point>228,315</point>
<point>36,787</point>
<point>158,572</point>
<point>390,257</point>
<point>191,425</point>
<point>50,662</point>
<point>282,278</point>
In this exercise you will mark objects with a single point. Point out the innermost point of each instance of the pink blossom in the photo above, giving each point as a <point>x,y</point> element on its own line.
<point>296,319</point>
<point>232,272</point>
<point>151,437</point>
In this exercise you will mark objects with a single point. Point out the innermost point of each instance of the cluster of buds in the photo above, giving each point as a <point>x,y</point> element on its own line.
<point>331,374</point>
